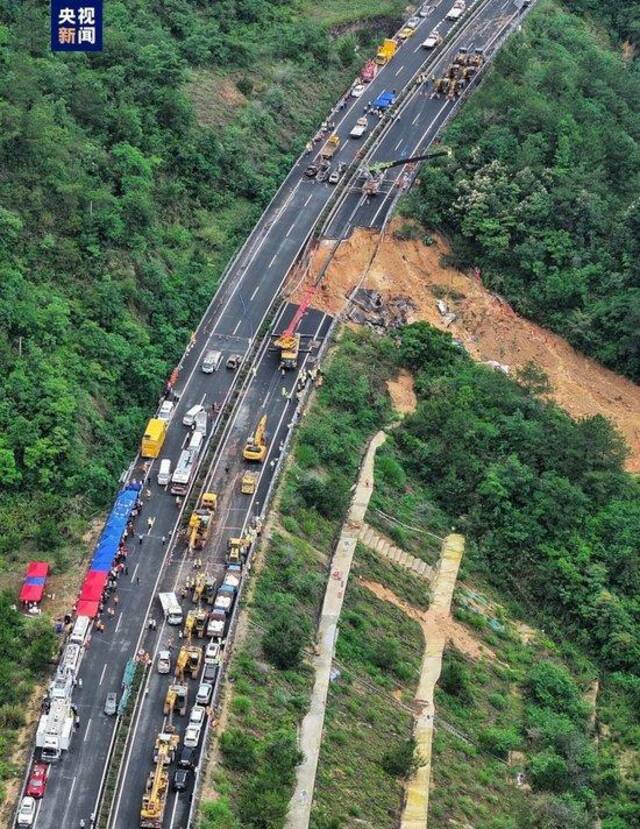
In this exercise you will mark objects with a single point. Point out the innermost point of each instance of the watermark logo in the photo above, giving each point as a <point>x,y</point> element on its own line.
<point>76,25</point>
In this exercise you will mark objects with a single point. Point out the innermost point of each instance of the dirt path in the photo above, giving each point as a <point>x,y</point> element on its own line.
<point>485,324</point>
<point>435,624</point>
<point>311,729</point>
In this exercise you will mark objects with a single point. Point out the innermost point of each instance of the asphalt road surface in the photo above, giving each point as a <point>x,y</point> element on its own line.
<point>231,324</point>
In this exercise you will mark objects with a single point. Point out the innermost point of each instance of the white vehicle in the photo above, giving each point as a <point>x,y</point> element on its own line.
<point>183,471</point>
<point>203,697</point>
<point>212,653</point>
<point>434,39</point>
<point>190,417</point>
<point>201,421</point>
<point>357,89</point>
<point>192,736</point>
<point>164,662</point>
<point>217,624</point>
<point>166,410</point>
<point>360,128</point>
<point>457,10</point>
<point>27,812</point>
<point>425,10</point>
<point>55,728</point>
<point>171,608</point>
<point>196,717</point>
<point>413,22</point>
<point>195,444</point>
<point>80,628</point>
<point>70,661</point>
<point>164,473</point>
<point>211,362</point>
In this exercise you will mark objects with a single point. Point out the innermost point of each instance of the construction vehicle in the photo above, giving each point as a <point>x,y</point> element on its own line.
<point>199,527</point>
<point>374,174</point>
<point>154,799</point>
<point>209,589</point>
<point>165,747</point>
<point>236,547</point>
<point>256,447</point>
<point>330,147</point>
<point>198,587</point>
<point>217,624</point>
<point>176,698</point>
<point>463,67</point>
<point>188,662</point>
<point>201,621</point>
<point>386,51</point>
<point>248,483</point>
<point>171,608</point>
<point>289,341</point>
<point>368,71</point>
<point>153,438</point>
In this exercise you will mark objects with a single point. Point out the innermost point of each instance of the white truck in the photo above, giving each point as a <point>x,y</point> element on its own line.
<point>360,128</point>
<point>171,608</point>
<point>55,728</point>
<point>183,472</point>
<point>457,10</point>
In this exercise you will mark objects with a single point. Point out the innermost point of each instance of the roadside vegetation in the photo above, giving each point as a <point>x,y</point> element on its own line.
<point>541,191</point>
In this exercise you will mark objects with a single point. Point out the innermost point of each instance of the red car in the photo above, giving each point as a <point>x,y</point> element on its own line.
<point>38,780</point>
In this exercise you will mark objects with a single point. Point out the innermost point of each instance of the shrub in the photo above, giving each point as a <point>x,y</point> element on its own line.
<point>285,638</point>
<point>402,760</point>
<point>239,750</point>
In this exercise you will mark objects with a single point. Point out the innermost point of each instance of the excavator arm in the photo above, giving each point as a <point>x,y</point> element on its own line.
<point>387,165</point>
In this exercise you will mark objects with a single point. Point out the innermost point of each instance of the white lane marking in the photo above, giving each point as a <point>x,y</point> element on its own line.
<point>308,199</point>
<point>398,144</point>
<point>135,571</point>
<point>252,297</point>
<point>399,71</point>
<point>415,120</point>
<point>86,733</point>
<point>239,323</point>
<point>293,224</point>
<point>104,670</point>
<point>73,783</point>
<point>118,623</point>
<point>273,259</point>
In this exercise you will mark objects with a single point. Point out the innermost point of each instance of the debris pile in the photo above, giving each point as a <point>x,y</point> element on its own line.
<point>379,314</point>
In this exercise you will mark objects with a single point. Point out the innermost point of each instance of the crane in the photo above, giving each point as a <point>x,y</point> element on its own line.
<point>256,447</point>
<point>289,341</point>
<point>155,797</point>
<point>382,166</point>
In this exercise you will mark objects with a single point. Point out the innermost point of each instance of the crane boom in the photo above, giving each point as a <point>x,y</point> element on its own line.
<point>387,165</point>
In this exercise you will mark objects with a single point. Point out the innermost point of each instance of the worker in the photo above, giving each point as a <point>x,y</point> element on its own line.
<point>79,682</point>
<point>308,148</point>
<point>83,823</point>
<point>140,537</point>
<point>116,600</point>
<point>150,522</point>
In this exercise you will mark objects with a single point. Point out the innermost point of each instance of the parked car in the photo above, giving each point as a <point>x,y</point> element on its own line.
<point>233,361</point>
<point>187,758</point>
<point>166,410</point>
<point>426,10</point>
<point>180,780</point>
<point>311,171</point>
<point>434,39</point>
<point>203,697</point>
<point>26,812</point>
<point>111,704</point>
<point>164,662</point>
<point>37,780</point>
<point>196,717</point>
<point>212,653</point>
<point>324,173</point>
<point>413,22</point>
<point>357,89</point>
<point>210,672</point>
<point>405,33</point>
<point>211,362</point>
<point>192,736</point>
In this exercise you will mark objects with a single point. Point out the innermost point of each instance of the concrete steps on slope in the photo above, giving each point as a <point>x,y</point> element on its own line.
<point>387,549</point>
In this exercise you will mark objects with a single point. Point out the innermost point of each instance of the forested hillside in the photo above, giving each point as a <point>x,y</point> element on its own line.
<point>541,192</point>
<point>118,212</point>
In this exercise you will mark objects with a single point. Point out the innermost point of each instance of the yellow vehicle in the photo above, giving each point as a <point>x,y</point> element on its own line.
<point>165,747</point>
<point>331,146</point>
<point>256,447</point>
<point>210,501</point>
<point>201,621</point>
<point>386,51</point>
<point>200,525</point>
<point>198,587</point>
<point>248,483</point>
<point>154,799</point>
<point>153,438</point>
<point>289,345</point>
<point>405,33</point>
<point>176,699</point>
<point>189,661</point>
<point>236,547</point>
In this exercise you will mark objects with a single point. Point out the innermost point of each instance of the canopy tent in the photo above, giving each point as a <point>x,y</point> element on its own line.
<point>92,586</point>
<point>87,608</point>
<point>111,535</point>
<point>34,581</point>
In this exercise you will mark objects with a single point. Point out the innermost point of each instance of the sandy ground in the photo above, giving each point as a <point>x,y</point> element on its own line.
<point>401,392</point>
<point>486,324</point>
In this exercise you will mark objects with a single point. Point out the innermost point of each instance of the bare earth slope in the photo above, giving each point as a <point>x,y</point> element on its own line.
<point>485,323</point>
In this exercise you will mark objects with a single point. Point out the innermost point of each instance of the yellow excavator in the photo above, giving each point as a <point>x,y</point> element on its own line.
<point>236,547</point>
<point>154,799</point>
<point>189,624</point>
<point>201,522</point>
<point>199,584</point>
<point>176,699</point>
<point>188,661</point>
<point>256,447</point>
<point>248,483</point>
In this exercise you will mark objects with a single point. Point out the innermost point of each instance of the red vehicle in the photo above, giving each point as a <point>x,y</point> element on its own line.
<point>368,71</point>
<point>38,780</point>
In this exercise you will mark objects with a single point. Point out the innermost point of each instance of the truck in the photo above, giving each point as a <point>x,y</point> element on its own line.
<point>201,422</point>
<point>233,575</point>
<point>225,597</point>
<point>368,71</point>
<point>457,10</point>
<point>171,608</point>
<point>217,624</point>
<point>153,438</point>
<point>360,128</point>
<point>183,472</point>
<point>55,728</point>
<point>331,146</point>
<point>386,51</point>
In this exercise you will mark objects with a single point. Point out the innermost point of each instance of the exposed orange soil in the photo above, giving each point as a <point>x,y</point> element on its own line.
<point>485,324</point>
<point>401,393</point>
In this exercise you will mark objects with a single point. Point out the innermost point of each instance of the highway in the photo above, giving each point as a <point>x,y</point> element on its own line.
<point>232,323</point>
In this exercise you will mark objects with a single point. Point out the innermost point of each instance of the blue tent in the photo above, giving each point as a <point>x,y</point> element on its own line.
<point>109,541</point>
<point>384,100</point>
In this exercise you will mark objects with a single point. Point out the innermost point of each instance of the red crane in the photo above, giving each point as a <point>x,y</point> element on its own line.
<point>289,341</point>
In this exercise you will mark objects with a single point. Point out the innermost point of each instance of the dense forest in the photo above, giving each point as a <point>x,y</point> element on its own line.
<point>541,192</point>
<point>118,211</point>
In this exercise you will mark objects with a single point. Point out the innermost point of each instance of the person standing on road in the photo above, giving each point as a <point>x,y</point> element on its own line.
<point>140,537</point>
<point>164,539</point>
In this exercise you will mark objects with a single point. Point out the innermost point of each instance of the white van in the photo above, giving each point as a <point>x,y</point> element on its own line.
<point>196,441</point>
<point>211,362</point>
<point>190,418</point>
<point>164,473</point>
<point>80,629</point>
<point>166,410</point>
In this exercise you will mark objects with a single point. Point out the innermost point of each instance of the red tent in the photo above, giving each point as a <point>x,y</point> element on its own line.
<point>93,586</point>
<point>34,581</point>
<point>87,608</point>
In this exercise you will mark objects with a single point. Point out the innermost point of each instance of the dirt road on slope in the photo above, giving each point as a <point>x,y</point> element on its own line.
<point>486,324</point>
